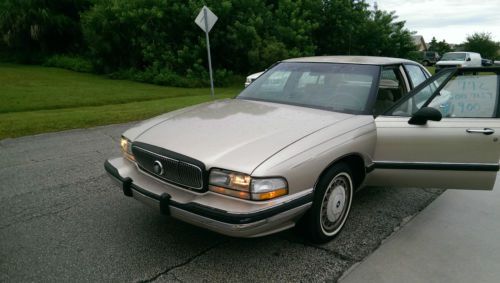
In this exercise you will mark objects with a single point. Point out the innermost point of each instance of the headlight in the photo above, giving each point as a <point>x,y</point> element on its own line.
<point>126,147</point>
<point>245,187</point>
<point>268,188</point>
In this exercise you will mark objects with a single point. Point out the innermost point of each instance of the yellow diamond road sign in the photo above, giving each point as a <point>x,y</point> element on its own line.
<point>211,18</point>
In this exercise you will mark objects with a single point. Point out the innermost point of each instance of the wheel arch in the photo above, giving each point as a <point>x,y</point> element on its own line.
<point>355,161</point>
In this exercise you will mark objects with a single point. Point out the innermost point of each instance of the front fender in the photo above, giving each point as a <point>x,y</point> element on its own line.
<point>303,162</point>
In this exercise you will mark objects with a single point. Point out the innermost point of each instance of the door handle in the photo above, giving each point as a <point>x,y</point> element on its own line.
<point>485,131</point>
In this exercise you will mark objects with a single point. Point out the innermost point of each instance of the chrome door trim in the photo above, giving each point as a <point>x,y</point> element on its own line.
<point>448,166</point>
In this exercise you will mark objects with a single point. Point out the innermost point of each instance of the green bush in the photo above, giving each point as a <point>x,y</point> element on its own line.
<point>74,63</point>
<point>33,29</point>
<point>415,56</point>
<point>162,76</point>
<point>141,34</point>
<point>249,35</point>
<point>157,41</point>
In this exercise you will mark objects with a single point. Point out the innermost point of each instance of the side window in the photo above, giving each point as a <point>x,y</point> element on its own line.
<point>391,89</point>
<point>412,103</point>
<point>468,96</point>
<point>416,74</point>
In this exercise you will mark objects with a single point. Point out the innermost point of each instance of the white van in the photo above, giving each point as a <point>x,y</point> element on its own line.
<point>459,59</point>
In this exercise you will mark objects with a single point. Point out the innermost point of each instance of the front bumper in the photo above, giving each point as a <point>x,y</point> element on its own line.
<point>209,210</point>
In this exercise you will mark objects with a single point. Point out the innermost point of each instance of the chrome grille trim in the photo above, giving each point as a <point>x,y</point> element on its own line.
<point>176,171</point>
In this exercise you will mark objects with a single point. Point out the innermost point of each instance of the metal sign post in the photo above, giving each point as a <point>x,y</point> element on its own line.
<point>206,20</point>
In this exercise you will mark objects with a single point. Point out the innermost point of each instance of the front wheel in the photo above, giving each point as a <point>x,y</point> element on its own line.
<point>331,205</point>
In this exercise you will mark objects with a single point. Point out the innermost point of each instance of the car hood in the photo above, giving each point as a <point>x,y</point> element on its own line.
<point>235,134</point>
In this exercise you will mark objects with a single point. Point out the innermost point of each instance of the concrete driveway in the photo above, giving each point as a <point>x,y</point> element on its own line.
<point>455,239</point>
<point>62,219</point>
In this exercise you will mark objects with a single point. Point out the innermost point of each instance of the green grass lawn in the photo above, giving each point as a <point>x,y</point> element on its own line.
<point>38,99</point>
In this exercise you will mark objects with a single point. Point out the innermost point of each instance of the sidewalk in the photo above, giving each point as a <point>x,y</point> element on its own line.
<point>455,239</point>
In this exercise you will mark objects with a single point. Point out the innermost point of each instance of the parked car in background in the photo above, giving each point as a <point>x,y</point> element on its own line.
<point>252,78</point>
<point>459,59</point>
<point>295,145</point>
<point>426,58</point>
<point>486,62</point>
<point>429,58</point>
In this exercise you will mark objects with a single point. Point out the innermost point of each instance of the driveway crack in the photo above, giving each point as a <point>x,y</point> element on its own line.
<point>112,137</point>
<point>57,187</point>
<point>186,262</point>
<point>35,216</point>
<point>433,191</point>
<point>332,252</point>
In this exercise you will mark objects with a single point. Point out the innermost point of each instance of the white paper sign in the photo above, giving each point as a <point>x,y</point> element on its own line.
<point>472,96</point>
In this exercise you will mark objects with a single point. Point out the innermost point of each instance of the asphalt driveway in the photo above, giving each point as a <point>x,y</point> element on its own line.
<point>63,219</point>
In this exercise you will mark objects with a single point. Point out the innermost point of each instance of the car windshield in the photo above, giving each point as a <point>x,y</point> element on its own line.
<point>453,57</point>
<point>336,87</point>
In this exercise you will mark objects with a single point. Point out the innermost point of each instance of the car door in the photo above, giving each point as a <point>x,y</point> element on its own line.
<point>460,151</point>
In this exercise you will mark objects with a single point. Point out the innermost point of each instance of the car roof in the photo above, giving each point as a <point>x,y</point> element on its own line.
<point>364,60</point>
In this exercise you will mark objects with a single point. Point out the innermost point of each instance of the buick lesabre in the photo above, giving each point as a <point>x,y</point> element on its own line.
<point>295,145</point>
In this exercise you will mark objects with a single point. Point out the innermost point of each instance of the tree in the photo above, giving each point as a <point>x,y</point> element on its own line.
<point>382,35</point>
<point>341,26</point>
<point>293,23</point>
<point>159,34</point>
<point>433,44</point>
<point>251,35</point>
<point>482,44</point>
<point>440,47</point>
<point>33,28</point>
<point>157,40</point>
<point>443,47</point>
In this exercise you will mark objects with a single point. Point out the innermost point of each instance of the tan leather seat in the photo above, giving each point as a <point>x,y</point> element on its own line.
<point>385,99</point>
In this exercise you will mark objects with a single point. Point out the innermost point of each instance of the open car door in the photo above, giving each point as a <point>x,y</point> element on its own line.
<point>443,134</point>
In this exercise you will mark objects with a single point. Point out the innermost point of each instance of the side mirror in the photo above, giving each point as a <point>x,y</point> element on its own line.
<point>425,114</point>
<point>468,59</point>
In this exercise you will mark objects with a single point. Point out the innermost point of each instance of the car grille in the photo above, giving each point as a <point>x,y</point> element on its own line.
<point>175,170</point>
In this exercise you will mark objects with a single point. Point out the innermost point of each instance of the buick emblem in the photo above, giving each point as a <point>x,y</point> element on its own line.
<point>157,167</point>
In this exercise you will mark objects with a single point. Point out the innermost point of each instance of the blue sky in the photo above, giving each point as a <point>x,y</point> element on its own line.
<point>451,20</point>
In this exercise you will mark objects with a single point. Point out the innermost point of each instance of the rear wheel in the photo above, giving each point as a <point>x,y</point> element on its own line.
<point>331,205</point>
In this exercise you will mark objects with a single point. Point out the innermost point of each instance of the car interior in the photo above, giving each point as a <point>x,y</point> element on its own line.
<point>391,89</point>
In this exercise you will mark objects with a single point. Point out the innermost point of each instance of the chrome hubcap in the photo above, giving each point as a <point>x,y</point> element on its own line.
<point>335,205</point>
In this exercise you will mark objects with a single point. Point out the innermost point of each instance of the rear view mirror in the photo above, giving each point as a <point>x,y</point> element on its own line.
<point>425,114</point>
<point>468,59</point>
